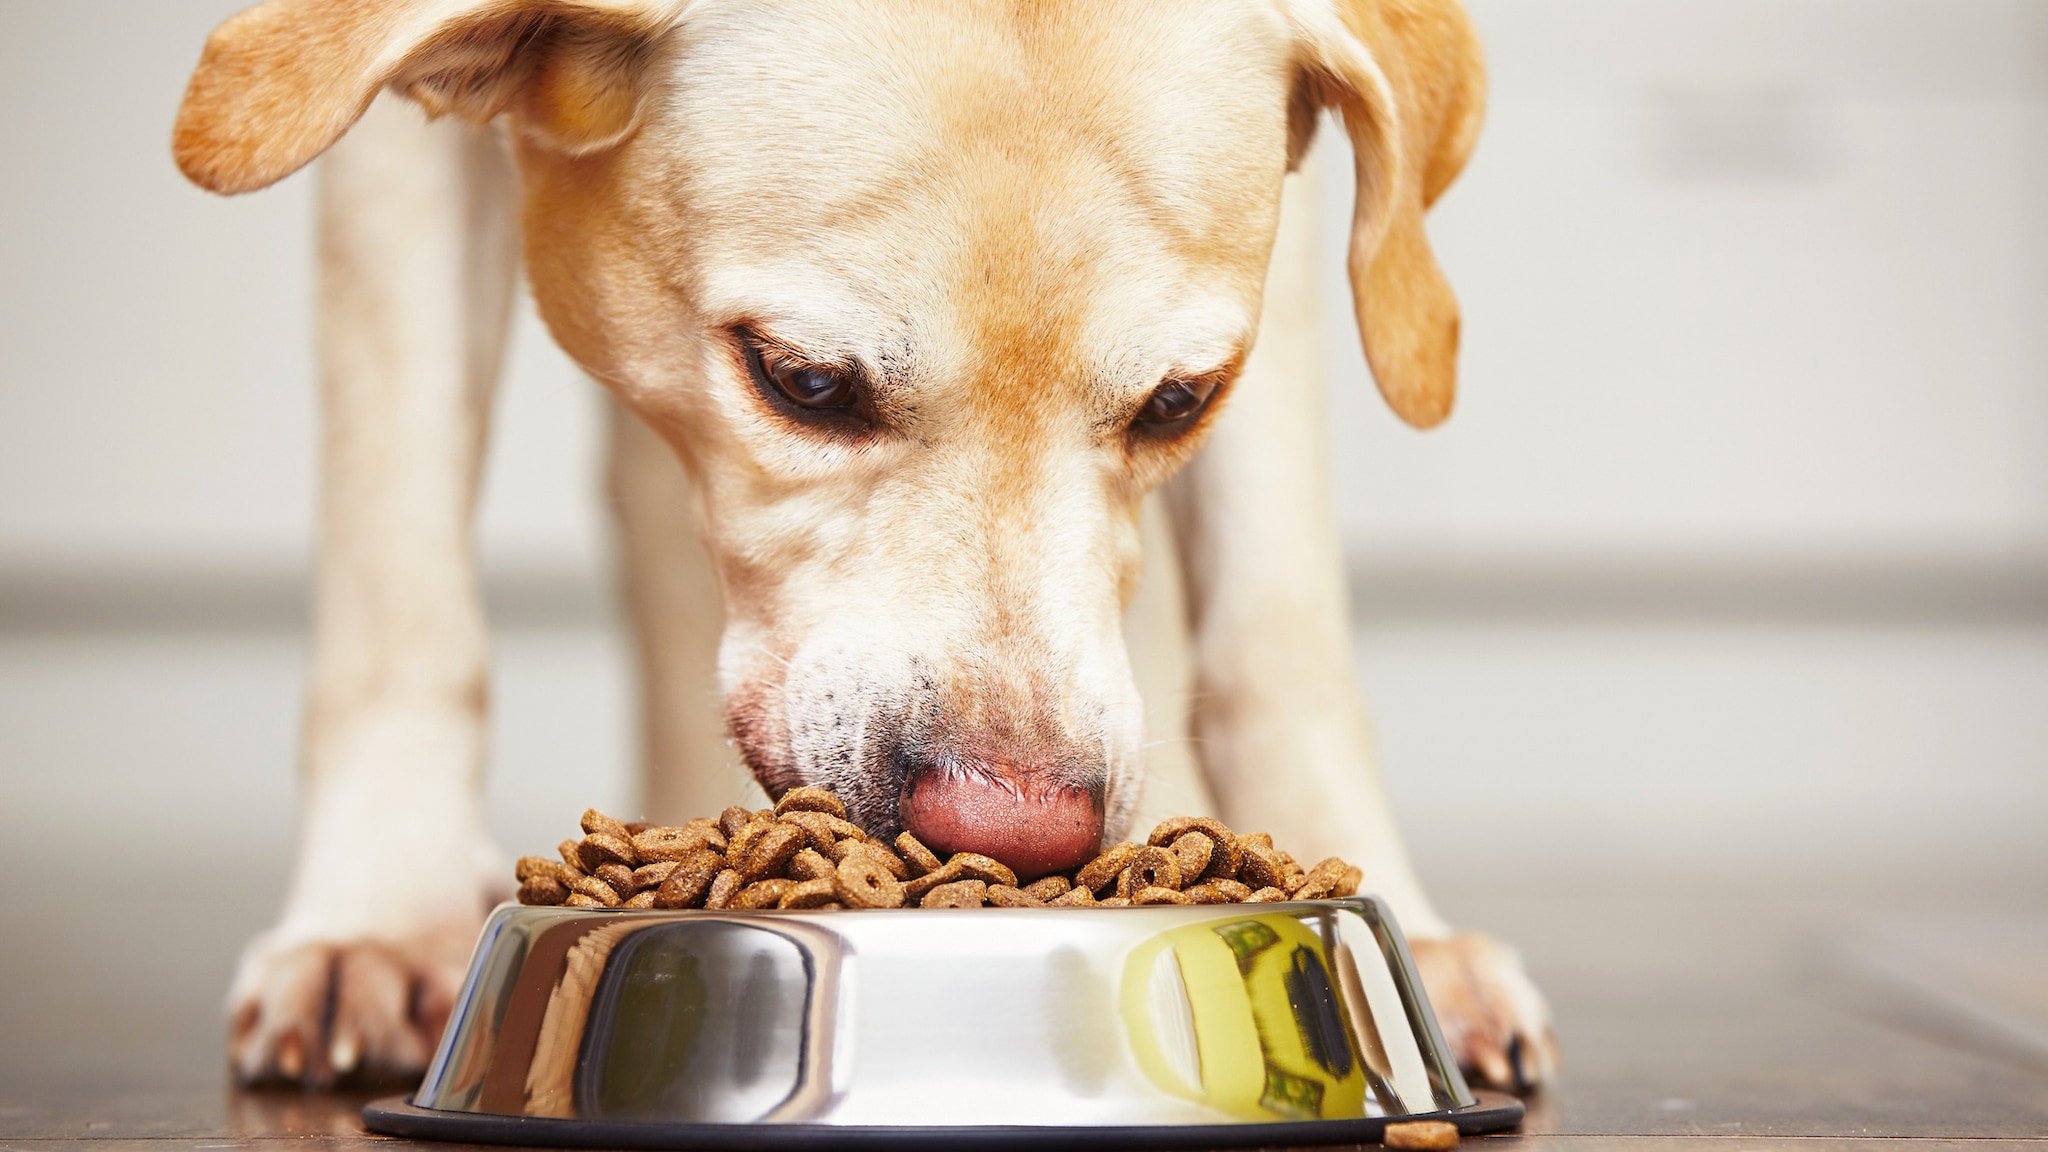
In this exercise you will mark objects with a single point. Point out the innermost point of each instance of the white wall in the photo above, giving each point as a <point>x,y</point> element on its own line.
<point>1742,280</point>
<point>156,390</point>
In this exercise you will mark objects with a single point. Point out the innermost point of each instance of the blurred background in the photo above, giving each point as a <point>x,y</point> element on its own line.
<point>1730,574</point>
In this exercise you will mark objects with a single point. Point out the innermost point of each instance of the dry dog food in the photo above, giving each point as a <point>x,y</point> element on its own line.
<point>805,853</point>
<point>1427,1134</point>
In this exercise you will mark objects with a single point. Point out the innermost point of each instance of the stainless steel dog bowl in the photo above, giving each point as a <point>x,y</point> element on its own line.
<point>1139,1027</point>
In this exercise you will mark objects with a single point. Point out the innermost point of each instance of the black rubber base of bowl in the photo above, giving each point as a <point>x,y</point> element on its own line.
<point>396,1116</point>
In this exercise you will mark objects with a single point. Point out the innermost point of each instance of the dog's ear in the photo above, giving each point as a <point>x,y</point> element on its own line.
<point>1409,81</point>
<point>281,82</point>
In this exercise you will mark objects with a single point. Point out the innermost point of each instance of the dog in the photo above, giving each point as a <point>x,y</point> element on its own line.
<point>927,296</point>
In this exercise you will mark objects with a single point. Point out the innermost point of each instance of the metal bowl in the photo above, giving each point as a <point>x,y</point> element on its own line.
<point>1269,1024</point>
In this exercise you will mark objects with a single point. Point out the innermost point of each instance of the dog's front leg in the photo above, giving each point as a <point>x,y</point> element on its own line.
<point>394,870</point>
<point>1282,731</point>
<point>689,765</point>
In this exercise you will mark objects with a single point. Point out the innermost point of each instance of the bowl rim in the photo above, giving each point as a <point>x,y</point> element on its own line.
<point>398,1116</point>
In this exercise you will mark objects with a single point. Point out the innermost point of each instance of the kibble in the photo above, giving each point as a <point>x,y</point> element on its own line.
<point>1149,868</point>
<point>618,876</point>
<point>763,893</point>
<point>1432,1135</point>
<point>920,858</point>
<point>958,894</point>
<point>724,887</point>
<point>810,893</point>
<point>1004,896</point>
<point>601,848</point>
<point>591,888</point>
<point>811,864</point>
<point>804,853</point>
<point>767,855</point>
<point>864,881</point>
<point>810,800</point>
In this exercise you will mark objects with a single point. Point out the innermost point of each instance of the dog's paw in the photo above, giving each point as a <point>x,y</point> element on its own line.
<point>1493,1018</point>
<point>314,1012</point>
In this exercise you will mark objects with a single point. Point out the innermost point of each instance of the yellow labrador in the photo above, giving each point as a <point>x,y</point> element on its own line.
<point>927,296</point>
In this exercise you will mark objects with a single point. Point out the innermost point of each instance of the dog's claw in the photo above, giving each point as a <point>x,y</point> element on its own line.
<point>291,1056</point>
<point>342,1056</point>
<point>317,1011</point>
<point>1518,1065</point>
<point>1493,1018</point>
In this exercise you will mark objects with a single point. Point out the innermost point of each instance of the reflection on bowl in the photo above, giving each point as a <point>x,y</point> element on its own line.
<point>586,1026</point>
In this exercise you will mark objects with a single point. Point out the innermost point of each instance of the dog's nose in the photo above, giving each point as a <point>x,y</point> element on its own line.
<point>1033,825</point>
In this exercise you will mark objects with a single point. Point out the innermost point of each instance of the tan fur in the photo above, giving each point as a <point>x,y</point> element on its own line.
<point>1410,86</point>
<point>1016,220</point>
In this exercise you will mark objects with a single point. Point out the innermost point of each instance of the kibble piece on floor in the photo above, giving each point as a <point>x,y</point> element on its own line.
<point>1426,1134</point>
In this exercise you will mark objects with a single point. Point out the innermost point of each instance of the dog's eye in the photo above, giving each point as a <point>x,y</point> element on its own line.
<point>1176,401</point>
<point>810,386</point>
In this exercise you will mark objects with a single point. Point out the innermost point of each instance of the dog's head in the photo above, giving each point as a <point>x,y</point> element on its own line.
<point>927,296</point>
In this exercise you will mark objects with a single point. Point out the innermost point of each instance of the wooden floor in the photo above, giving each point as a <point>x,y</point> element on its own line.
<point>1693,1016</point>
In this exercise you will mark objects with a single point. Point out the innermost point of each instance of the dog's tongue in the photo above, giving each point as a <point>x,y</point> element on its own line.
<point>1034,832</point>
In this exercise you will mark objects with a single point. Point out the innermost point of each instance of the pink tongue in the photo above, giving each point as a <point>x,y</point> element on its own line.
<point>1035,833</point>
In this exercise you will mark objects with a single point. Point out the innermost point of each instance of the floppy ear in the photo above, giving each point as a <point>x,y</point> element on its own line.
<point>1409,81</point>
<point>281,82</point>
